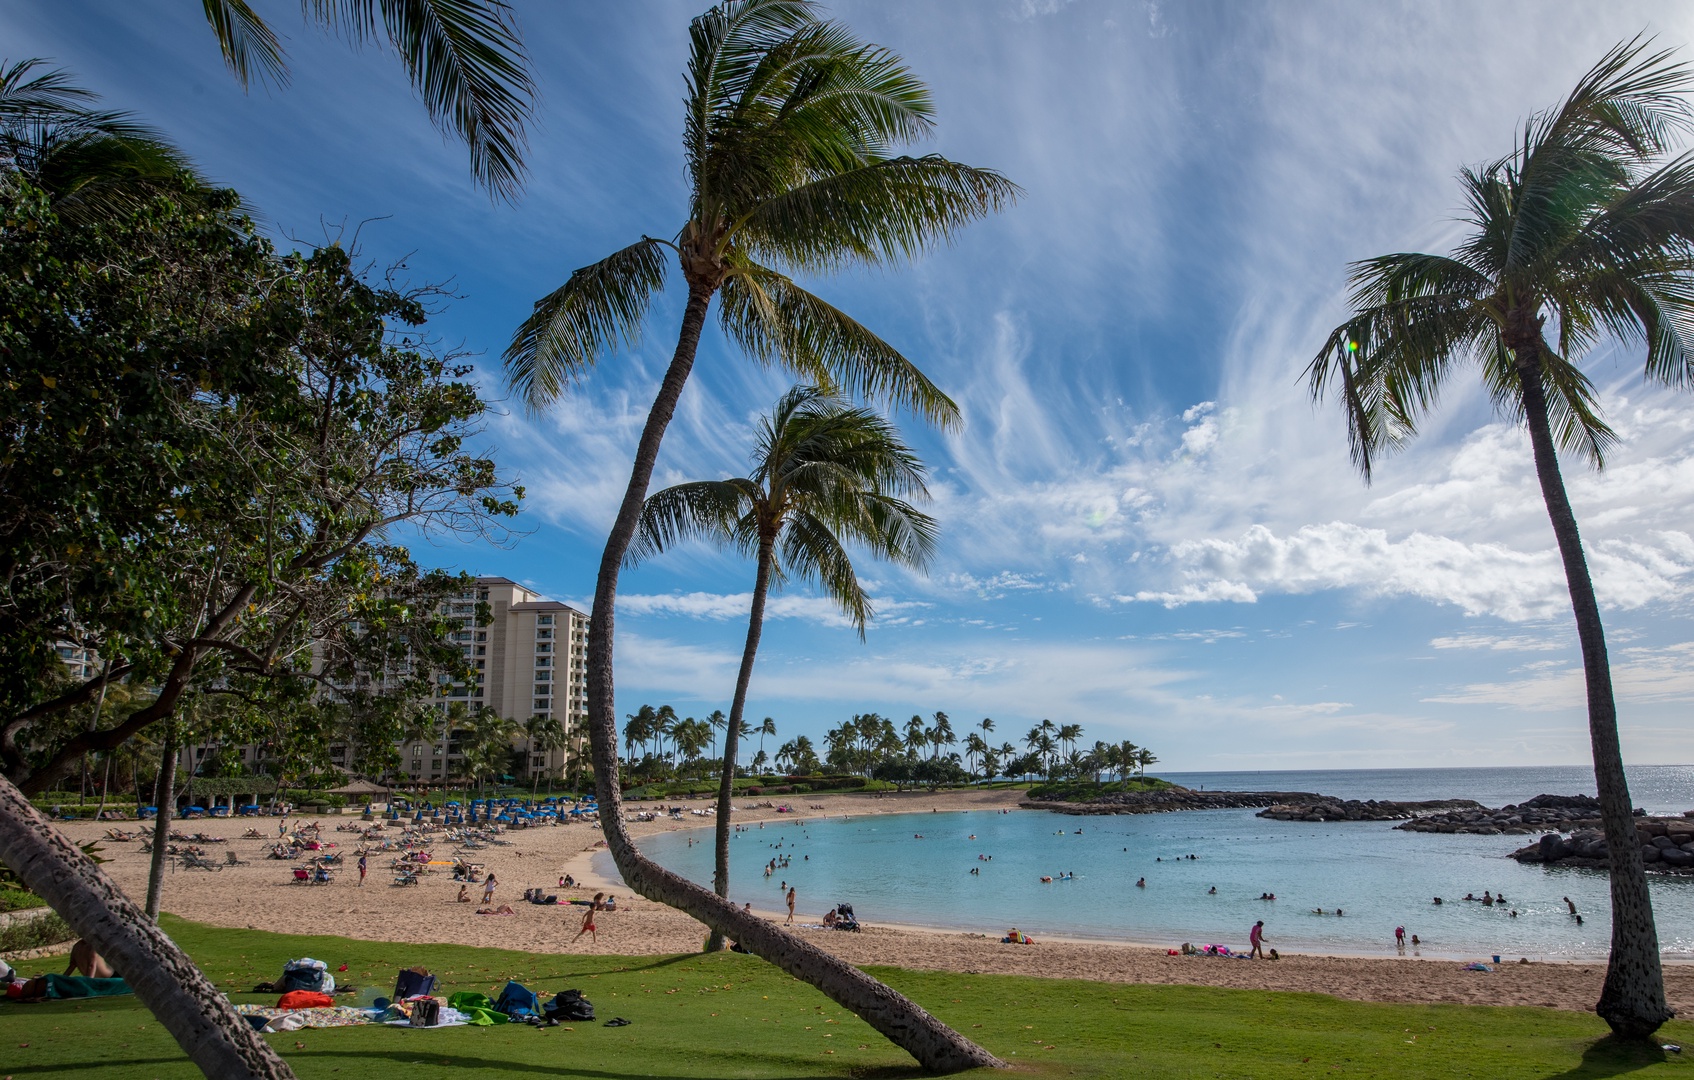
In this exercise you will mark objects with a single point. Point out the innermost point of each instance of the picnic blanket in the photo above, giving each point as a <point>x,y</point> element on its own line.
<point>332,1016</point>
<point>77,986</point>
<point>477,1009</point>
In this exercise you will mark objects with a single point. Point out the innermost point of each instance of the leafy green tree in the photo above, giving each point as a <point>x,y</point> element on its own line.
<point>825,475</point>
<point>465,59</point>
<point>1585,223</point>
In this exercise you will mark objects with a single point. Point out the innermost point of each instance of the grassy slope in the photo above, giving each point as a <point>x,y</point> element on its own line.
<point>733,1016</point>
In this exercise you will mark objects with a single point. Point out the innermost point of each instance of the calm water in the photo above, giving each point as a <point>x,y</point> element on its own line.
<point>1380,877</point>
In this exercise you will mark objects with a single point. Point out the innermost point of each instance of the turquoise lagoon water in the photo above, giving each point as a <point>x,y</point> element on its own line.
<point>1380,877</point>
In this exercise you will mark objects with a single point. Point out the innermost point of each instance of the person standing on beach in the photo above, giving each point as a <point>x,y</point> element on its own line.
<point>588,920</point>
<point>1257,937</point>
<point>364,865</point>
<point>488,888</point>
<point>790,919</point>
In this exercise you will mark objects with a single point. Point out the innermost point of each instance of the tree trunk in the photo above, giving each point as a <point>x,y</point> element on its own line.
<point>1632,999</point>
<point>936,1046</point>
<point>105,789</point>
<point>219,1042</point>
<point>165,799</point>
<point>731,739</point>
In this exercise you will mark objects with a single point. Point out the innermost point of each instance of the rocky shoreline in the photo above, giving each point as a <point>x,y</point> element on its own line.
<point>1168,801</point>
<point>1543,813</point>
<point>1323,808</point>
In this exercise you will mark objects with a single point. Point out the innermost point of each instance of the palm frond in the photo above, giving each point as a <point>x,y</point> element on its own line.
<point>726,46</point>
<point>811,553</point>
<point>776,321</point>
<point>879,212</point>
<point>249,46</point>
<point>708,510</point>
<point>467,61</point>
<point>599,307</point>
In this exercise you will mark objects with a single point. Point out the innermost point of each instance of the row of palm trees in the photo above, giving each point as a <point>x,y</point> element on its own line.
<point>869,744</point>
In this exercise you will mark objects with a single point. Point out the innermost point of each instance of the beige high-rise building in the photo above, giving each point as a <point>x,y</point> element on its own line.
<point>529,660</point>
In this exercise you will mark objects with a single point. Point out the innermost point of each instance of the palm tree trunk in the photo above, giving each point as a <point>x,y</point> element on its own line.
<point>196,1014</point>
<point>936,1046</point>
<point>165,798</point>
<point>726,787</point>
<point>1632,999</point>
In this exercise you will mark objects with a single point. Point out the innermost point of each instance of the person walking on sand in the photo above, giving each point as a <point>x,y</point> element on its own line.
<point>790,919</point>
<point>588,921</point>
<point>1257,937</point>
<point>364,865</point>
<point>488,888</point>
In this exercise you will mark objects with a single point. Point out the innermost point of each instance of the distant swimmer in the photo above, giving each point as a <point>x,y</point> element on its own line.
<point>1141,883</point>
<point>1570,904</point>
<point>1438,900</point>
<point>1046,880</point>
<point>1213,891</point>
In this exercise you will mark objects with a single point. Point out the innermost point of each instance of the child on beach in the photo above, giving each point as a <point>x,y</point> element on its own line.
<point>588,921</point>
<point>790,919</point>
<point>1257,937</point>
<point>488,888</point>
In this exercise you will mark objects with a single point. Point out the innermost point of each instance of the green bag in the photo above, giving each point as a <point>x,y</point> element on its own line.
<point>477,1008</point>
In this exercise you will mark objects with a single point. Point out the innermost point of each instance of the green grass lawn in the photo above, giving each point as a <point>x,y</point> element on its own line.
<point>732,1016</point>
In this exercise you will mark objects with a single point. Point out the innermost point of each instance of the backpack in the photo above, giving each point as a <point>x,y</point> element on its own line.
<point>518,1002</point>
<point>570,1005</point>
<point>307,974</point>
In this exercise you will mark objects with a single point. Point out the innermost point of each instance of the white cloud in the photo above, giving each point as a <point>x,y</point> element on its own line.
<point>1498,643</point>
<point>1640,676</point>
<point>721,606</point>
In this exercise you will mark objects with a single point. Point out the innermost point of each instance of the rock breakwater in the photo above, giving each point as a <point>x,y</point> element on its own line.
<point>1168,800</point>
<point>1667,846</point>
<point>1540,814</point>
<point>1321,808</point>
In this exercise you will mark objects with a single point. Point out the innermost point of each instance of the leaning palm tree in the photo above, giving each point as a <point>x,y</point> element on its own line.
<point>788,139</point>
<point>766,728</point>
<point>1584,223</point>
<point>825,475</point>
<point>465,59</point>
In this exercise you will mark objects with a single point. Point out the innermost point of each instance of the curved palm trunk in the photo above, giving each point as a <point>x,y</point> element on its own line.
<point>219,1042</point>
<point>726,787</point>
<point>1632,999</point>
<point>936,1046</point>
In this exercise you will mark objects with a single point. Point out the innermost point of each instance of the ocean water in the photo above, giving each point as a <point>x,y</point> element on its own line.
<point>915,868</point>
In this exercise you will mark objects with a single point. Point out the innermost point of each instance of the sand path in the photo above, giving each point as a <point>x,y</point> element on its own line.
<point>261,895</point>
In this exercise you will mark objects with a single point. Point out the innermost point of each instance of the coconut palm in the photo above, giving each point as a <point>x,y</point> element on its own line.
<point>917,736</point>
<point>91,162</point>
<point>465,59</point>
<point>788,136</point>
<point>825,475</point>
<point>1584,223</point>
<point>1143,758</point>
<point>766,728</point>
<point>545,734</point>
<point>941,734</point>
<point>974,748</point>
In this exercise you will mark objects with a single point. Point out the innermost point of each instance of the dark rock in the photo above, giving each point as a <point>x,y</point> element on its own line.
<point>1651,854</point>
<point>1676,857</point>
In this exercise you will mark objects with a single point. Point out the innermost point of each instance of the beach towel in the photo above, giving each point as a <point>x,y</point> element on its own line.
<point>304,999</point>
<point>477,1009</point>
<point>265,1019</point>
<point>60,987</point>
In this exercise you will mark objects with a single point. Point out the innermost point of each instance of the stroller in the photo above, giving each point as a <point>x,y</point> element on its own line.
<point>844,918</point>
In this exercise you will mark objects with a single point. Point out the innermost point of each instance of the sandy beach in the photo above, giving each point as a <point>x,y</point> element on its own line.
<point>262,895</point>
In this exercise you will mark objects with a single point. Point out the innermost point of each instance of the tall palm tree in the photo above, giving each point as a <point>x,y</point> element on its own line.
<point>665,723</point>
<point>465,58</point>
<point>1143,758</point>
<point>546,734</point>
<point>917,736</point>
<point>1126,758</point>
<point>788,136</point>
<point>825,475</point>
<point>941,734</point>
<point>1584,223</point>
<point>974,748</point>
<point>766,728</point>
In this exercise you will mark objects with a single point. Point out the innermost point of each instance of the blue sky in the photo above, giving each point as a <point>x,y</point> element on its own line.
<point>1148,528</point>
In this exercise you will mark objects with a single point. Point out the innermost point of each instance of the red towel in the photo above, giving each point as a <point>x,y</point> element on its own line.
<point>304,999</point>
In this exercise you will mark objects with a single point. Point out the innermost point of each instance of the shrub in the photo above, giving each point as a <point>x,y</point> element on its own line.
<point>34,933</point>
<point>19,900</point>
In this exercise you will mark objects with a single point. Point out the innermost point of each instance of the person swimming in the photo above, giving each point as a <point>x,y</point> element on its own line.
<point>1141,883</point>
<point>1213,891</point>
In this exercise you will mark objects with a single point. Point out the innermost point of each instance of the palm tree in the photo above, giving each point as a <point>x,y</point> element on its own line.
<point>665,723</point>
<point>1587,224</point>
<point>465,59</point>
<point>917,736</point>
<point>975,747</point>
<point>1126,758</point>
<point>788,134</point>
<point>1068,736</point>
<point>91,162</point>
<point>825,474</point>
<point>941,734</point>
<point>546,734</point>
<point>766,728</point>
<point>1143,758</point>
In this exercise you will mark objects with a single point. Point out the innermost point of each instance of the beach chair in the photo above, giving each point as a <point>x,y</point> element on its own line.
<point>231,860</point>
<point>193,861</point>
<point>302,876</point>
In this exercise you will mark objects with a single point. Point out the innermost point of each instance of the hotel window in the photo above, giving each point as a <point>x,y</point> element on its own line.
<point>543,635</point>
<point>482,650</point>
<point>540,702</point>
<point>544,661</point>
<point>544,646</point>
<point>544,620</point>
